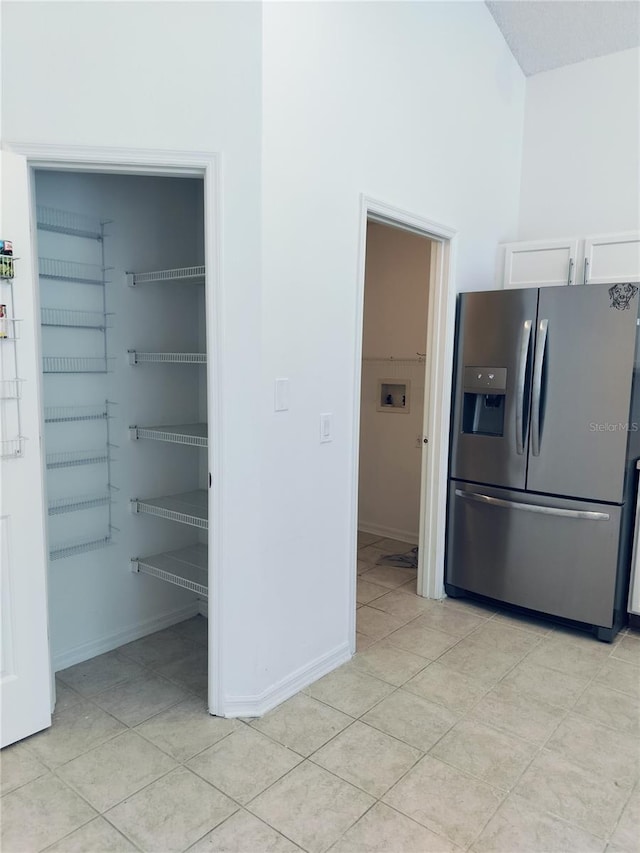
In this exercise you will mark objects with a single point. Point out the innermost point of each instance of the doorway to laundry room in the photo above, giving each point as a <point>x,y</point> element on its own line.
<point>397,274</point>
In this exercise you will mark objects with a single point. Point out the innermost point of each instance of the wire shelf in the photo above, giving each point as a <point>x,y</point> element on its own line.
<point>186,568</point>
<point>73,548</point>
<point>73,458</point>
<point>12,448</point>
<point>74,364</point>
<point>191,434</point>
<point>68,319</point>
<point>189,508</point>
<point>77,504</point>
<point>70,271</point>
<point>10,389</point>
<point>11,329</point>
<point>66,222</point>
<point>136,357</point>
<point>66,414</point>
<point>194,275</point>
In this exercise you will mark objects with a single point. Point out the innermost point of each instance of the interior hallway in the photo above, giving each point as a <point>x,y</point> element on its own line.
<point>455,727</point>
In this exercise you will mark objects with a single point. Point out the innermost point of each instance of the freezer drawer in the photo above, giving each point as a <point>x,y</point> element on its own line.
<point>547,554</point>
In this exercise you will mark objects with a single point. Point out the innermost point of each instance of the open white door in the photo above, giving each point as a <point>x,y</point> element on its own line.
<point>25,687</point>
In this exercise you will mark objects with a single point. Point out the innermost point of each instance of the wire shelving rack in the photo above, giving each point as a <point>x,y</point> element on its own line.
<point>71,549</point>
<point>189,508</point>
<point>67,222</point>
<point>67,414</point>
<point>191,275</point>
<point>75,364</point>
<point>194,435</point>
<point>75,458</point>
<point>71,271</point>
<point>71,319</point>
<point>60,271</point>
<point>136,357</point>
<point>185,567</point>
<point>78,503</point>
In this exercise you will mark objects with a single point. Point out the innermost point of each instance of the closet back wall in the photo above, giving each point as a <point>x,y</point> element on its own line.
<point>396,295</point>
<point>96,603</point>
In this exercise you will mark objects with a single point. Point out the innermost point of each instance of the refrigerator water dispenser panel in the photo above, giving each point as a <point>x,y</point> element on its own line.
<point>484,400</point>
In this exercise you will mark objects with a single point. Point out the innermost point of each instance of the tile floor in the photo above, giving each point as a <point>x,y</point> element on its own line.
<point>455,727</point>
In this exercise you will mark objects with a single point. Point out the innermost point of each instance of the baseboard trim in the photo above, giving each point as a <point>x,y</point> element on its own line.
<point>256,706</point>
<point>389,532</point>
<point>78,654</point>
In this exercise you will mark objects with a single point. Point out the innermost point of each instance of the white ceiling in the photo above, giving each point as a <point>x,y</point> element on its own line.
<point>543,35</point>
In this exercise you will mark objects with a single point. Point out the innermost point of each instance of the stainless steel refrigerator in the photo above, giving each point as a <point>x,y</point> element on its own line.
<point>543,449</point>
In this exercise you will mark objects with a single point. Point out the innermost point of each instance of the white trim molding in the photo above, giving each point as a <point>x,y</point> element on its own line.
<point>440,334</point>
<point>409,536</point>
<point>86,651</point>
<point>256,706</point>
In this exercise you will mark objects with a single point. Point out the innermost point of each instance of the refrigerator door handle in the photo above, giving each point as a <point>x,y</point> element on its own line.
<point>525,340</point>
<point>538,362</point>
<point>478,497</point>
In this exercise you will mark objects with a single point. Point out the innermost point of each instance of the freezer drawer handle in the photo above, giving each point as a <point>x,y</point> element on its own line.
<point>522,373</point>
<point>538,361</point>
<point>542,510</point>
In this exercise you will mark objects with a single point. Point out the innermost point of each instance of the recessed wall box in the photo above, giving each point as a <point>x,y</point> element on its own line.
<point>393,395</point>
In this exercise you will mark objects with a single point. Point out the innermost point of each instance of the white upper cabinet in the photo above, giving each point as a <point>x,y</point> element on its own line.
<point>611,258</point>
<point>602,259</point>
<point>540,263</point>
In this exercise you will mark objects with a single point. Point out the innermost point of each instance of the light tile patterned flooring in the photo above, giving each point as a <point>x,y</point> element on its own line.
<point>455,727</point>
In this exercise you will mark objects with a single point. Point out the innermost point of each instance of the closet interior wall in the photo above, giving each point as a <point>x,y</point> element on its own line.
<point>150,223</point>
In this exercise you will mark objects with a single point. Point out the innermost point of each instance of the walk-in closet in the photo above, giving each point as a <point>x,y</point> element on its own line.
<point>122,292</point>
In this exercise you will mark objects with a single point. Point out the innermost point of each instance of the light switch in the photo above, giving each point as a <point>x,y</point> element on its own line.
<point>281,395</point>
<point>326,429</point>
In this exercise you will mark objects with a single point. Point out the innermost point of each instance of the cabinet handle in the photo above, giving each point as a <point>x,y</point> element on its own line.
<point>539,508</point>
<point>586,271</point>
<point>570,270</point>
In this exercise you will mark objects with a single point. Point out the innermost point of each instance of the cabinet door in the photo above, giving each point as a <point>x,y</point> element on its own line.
<point>611,259</point>
<point>25,687</point>
<point>540,263</point>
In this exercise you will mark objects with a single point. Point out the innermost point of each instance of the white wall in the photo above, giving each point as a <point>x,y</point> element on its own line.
<point>395,325</point>
<point>581,154</point>
<point>170,76</point>
<point>419,105</point>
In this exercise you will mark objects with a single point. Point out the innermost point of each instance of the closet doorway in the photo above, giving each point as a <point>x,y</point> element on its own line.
<point>119,254</point>
<point>405,327</point>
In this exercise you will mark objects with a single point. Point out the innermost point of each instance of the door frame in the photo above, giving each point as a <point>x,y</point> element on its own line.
<point>437,392</point>
<point>172,163</point>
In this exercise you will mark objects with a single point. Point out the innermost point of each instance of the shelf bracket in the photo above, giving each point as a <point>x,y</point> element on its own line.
<point>133,358</point>
<point>130,279</point>
<point>134,565</point>
<point>133,432</point>
<point>133,503</point>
